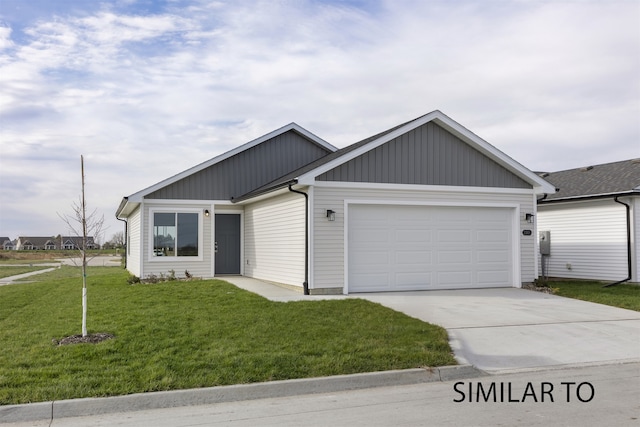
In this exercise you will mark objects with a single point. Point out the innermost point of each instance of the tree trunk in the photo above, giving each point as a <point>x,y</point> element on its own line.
<point>84,255</point>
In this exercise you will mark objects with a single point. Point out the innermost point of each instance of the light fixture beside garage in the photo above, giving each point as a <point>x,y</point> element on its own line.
<point>331,215</point>
<point>206,212</point>
<point>529,217</point>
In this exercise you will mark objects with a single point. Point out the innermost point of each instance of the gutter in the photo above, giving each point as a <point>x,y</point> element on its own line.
<point>126,232</point>
<point>305,285</point>
<point>629,269</point>
<point>265,190</point>
<point>590,197</point>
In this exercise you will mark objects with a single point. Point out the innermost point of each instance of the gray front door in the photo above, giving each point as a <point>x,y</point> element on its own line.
<point>227,244</point>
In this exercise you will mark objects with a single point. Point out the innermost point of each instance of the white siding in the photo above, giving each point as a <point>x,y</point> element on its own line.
<point>157,265</point>
<point>328,238</point>
<point>635,238</point>
<point>133,244</point>
<point>588,239</point>
<point>274,239</point>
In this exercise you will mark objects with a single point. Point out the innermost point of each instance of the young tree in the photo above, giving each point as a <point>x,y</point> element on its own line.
<point>82,226</point>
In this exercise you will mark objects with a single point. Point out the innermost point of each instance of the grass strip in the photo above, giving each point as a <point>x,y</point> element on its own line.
<point>623,295</point>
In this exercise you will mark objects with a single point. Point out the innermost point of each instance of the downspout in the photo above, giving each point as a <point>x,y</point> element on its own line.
<point>629,269</point>
<point>126,231</point>
<point>306,238</point>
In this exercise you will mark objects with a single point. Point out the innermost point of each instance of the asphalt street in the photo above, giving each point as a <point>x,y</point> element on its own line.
<point>605,395</point>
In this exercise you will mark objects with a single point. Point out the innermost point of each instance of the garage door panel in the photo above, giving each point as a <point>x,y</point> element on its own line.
<point>375,281</point>
<point>494,278</point>
<point>454,236</point>
<point>499,256</point>
<point>454,257</point>
<point>417,258</point>
<point>411,281</point>
<point>393,247</point>
<point>366,260</point>
<point>492,236</point>
<point>413,235</point>
<point>454,279</point>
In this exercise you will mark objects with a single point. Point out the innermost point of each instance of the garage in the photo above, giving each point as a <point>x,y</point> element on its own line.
<point>395,247</point>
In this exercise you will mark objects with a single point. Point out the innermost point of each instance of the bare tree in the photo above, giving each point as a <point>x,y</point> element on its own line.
<point>82,226</point>
<point>117,240</point>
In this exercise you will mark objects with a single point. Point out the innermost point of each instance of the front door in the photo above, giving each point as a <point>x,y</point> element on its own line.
<point>227,244</point>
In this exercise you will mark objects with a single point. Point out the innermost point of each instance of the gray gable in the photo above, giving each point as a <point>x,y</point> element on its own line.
<point>427,155</point>
<point>245,171</point>
<point>606,179</point>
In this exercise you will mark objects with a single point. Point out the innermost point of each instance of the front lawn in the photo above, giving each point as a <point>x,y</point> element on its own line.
<point>176,335</point>
<point>623,296</point>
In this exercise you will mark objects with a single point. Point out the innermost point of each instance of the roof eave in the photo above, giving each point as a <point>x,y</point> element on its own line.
<point>634,192</point>
<point>264,192</point>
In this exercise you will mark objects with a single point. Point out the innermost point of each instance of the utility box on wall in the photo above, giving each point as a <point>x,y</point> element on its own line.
<point>545,242</point>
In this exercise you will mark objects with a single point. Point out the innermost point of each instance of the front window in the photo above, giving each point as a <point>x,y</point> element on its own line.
<point>175,234</point>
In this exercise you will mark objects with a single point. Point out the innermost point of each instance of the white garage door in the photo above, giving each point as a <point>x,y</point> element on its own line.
<point>394,248</point>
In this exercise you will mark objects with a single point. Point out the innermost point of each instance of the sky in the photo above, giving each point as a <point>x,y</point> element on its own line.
<point>145,89</point>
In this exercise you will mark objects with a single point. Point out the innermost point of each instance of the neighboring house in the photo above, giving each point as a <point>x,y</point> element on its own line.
<point>7,244</point>
<point>53,243</point>
<point>75,242</point>
<point>591,236</point>
<point>35,243</point>
<point>424,205</point>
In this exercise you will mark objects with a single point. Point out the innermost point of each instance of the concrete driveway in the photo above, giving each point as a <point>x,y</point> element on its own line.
<point>511,329</point>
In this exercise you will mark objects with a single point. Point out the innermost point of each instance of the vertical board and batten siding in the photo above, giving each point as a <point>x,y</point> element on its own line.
<point>588,239</point>
<point>329,236</point>
<point>134,249</point>
<point>246,170</point>
<point>274,239</point>
<point>157,266</point>
<point>427,155</point>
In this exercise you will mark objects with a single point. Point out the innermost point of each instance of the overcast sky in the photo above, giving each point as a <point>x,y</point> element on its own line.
<point>146,89</point>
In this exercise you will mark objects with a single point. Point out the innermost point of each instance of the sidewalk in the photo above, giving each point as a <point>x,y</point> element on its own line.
<point>9,280</point>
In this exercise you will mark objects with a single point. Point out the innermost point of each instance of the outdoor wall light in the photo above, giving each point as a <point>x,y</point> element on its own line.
<point>206,212</point>
<point>529,217</point>
<point>331,215</point>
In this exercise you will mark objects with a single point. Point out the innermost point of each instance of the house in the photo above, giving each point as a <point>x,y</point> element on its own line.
<point>593,222</point>
<point>7,244</point>
<point>53,243</point>
<point>424,205</point>
<point>35,243</point>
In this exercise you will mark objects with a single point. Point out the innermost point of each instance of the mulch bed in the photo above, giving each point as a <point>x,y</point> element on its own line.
<point>543,289</point>
<point>79,339</point>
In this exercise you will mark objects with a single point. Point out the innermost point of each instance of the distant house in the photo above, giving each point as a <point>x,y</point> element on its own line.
<point>75,242</point>
<point>426,204</point>
<point>594,222</point>
<point>26,243</point>
<point>7,244</point>
<point>52,243</point>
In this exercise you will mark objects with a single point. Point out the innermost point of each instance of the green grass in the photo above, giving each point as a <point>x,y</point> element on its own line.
<point>6,271</point>
<point>623,296</point>
<point>177,335</point>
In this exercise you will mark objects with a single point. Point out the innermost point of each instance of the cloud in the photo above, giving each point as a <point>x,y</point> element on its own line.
<point>147,89</point>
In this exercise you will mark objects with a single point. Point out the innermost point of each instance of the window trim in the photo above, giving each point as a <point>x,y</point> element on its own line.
<point>175,258</point>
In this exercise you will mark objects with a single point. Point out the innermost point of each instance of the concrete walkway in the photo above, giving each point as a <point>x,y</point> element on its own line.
<point>506,329</point>
<point>98,261</point>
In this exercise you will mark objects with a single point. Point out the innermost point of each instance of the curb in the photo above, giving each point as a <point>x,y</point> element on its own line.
<point>203,396</point>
